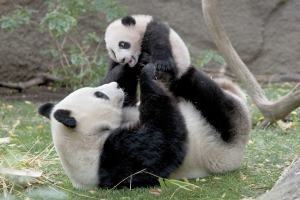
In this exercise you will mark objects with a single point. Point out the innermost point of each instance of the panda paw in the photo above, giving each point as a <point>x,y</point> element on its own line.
<point>163,65</point>
<point>165,68</point>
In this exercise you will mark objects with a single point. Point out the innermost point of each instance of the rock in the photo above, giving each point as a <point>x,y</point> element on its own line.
<point>265,33</point>
<point>287,187</point>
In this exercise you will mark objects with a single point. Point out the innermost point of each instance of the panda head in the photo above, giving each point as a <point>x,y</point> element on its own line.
<point>87,111</point>
<point>123,38</point>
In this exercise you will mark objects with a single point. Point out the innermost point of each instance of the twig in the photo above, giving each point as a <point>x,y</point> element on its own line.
<point>25,172</point>
<point>39,79</point>
<point>143,170</point>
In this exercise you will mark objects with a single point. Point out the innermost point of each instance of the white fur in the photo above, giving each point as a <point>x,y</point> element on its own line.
<point>206,151</point>
<point>117,32</point>
<point>180,53</point>
<point>79,148</point>
<point>130,116</point>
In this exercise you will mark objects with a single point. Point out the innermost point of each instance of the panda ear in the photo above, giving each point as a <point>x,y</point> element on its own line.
<point>45,109</point>
<point>63,116</point>
<point>128,21</point>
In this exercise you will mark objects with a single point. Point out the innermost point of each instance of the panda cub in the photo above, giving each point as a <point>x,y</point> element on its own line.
<point>140,39</point>
<point>190,130</point>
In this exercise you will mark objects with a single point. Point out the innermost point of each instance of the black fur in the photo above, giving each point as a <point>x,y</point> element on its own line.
<point>46,109</point>
<point>128,21</point>
<point>127,78</point>
<point>156,43</point>
<point>216,107</point>
<point>101,95</point>
<point>154,145</point>
<point>63,116</point>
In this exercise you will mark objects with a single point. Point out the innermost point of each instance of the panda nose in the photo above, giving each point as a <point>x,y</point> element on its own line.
<point>123,60</point>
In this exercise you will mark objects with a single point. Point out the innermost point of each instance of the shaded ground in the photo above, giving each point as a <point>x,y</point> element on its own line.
<point>35,94</point>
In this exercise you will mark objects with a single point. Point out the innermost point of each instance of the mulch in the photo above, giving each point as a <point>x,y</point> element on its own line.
<point>36,94</point>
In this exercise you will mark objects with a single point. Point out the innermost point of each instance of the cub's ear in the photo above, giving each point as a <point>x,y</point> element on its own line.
<point>63,116</point>
<point>46,109</point>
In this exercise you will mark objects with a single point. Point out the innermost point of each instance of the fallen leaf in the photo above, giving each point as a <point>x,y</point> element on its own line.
<point>5,140</point>
<point>155,191</point>
<point>284,125</point>
<point>28,102</point>
<point>40,126</point>
<point>25,172</point>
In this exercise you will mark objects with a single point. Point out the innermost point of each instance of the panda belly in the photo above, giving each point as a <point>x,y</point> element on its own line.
<point>206,151</point>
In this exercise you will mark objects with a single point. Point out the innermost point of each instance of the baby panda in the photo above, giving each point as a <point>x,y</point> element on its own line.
<point>95,148</point>
<point>140,39</point>
<point>140,36</point>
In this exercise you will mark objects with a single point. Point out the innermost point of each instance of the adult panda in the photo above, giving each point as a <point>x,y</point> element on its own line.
<point>203,130</point>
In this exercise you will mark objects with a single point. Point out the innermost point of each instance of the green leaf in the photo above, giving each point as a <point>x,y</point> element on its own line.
<point>58,22</point>
<point>18,18</point>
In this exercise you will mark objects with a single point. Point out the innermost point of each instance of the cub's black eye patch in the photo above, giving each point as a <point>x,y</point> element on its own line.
<point>124,45</point>
<point>101,95</point>
<point>128,21</point>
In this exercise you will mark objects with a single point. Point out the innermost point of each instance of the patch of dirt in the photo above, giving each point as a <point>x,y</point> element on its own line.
<point>35,94</point>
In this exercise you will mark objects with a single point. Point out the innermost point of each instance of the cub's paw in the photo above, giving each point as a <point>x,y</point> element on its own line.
<point>165,69</point>
<point>164,65</point>
<point>149,71</point>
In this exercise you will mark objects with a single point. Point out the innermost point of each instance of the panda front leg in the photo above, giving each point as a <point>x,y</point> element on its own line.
<point>155,147</point>
<point>157,44</point>
<point>126,77</point>
<point>163,128</point>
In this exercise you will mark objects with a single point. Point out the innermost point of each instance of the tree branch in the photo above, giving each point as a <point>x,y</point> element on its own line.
<point>272,111</point>
<point>39,79</point>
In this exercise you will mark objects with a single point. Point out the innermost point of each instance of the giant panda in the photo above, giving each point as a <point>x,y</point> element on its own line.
<point>137,38</point>
<point>189,130</point>
<point>140,39</point>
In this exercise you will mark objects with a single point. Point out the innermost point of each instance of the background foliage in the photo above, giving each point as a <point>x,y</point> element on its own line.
<point>78,57</point>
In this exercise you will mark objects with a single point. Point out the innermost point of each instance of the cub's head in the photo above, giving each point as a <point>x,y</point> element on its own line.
<point>87,111</point>
<point>123,38</point>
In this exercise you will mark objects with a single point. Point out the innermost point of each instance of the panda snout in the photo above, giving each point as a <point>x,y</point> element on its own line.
<point>115,84</point>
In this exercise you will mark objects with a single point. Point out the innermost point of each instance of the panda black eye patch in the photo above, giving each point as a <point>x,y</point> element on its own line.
<point>101,95</point>
<point>124,45</point>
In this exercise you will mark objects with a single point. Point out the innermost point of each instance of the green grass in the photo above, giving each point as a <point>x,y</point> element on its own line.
<point>268,153</point>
